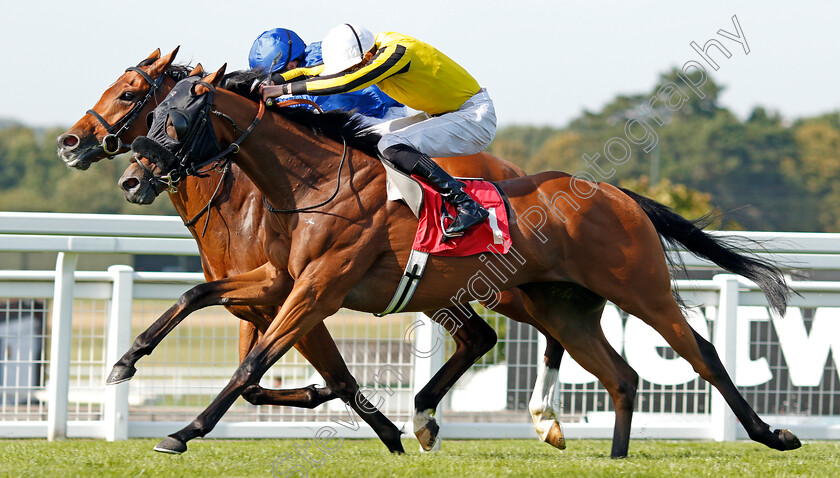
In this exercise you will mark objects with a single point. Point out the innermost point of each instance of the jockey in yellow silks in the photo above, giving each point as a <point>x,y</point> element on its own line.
<point>456,116</point>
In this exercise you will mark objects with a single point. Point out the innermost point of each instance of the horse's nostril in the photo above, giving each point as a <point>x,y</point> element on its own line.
<point>69,140</point>
<point>130,184</point>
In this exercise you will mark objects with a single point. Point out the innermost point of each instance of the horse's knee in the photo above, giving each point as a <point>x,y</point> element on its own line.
<point>246,375</point>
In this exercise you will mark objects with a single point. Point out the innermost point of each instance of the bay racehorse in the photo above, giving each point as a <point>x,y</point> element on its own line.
<point>578,244</point>
<point>223,233</point>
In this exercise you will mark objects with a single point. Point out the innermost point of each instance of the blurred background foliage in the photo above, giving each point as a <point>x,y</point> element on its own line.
<point>762,172</point>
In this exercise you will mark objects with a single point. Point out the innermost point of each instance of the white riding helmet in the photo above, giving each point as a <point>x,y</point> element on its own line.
<point>345,46</point>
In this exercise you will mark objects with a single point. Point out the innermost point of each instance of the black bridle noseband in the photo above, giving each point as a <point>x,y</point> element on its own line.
<point>125,122</point>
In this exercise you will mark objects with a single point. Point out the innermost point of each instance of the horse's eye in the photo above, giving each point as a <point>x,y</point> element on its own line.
<point>128,96</point>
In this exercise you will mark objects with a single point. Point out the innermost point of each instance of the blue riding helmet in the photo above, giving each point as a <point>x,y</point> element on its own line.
<point>280,44</point>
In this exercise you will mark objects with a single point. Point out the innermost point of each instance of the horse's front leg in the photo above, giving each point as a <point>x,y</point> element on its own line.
<point>307,397</point>
<point>318,347</point>
<point>257,287</point>
<point>306,306</point>
<point>542,406</point>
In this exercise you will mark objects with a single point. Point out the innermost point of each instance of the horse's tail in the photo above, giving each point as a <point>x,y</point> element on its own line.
<point>725,252</point>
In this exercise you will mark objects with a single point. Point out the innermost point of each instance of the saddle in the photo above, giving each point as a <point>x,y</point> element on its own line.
<point>428,206</point>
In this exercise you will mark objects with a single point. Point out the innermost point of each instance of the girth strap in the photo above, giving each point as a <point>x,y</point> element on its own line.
<point>408,283</point>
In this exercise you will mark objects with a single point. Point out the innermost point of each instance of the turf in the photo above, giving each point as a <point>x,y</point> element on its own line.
<point>368,458</point>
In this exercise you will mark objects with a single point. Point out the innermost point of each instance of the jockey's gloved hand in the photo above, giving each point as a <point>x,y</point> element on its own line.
<point>273,93</point>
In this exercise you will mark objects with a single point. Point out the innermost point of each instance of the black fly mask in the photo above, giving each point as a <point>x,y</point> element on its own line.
<point>180,136</point>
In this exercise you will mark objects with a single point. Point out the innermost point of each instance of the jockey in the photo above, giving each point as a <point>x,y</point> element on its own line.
<point>457,116</point>
<point>281,50</point>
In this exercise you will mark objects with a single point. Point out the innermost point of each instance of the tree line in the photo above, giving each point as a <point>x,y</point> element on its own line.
<point>759,173</point>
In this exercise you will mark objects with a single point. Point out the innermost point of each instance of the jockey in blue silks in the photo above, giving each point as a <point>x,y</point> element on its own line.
<point>281,50</point>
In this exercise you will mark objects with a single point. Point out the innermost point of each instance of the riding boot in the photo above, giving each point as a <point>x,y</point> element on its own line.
<point>469,212</point>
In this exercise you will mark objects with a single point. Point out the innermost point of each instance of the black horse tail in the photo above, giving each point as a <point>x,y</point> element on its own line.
<point>674,229</point>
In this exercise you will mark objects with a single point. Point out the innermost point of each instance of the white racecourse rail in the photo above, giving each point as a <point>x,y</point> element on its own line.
<point>61,330</point>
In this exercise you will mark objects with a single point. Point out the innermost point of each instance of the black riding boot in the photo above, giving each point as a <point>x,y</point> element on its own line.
<point>469,212</point>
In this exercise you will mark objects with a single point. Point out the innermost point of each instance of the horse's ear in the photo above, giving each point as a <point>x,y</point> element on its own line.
<point>163,63</point>
<point>197,71</point>
<point>216,78</point>
<point>154,55</point>
<point>212,79</point>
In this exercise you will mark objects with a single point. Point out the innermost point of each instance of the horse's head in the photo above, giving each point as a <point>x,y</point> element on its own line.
<point>108,128</point>
<point>179,141</point>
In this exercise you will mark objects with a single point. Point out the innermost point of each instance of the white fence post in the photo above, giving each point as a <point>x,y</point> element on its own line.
<point>724,422</point>
<point>118,341</point>
<point>60,337</point>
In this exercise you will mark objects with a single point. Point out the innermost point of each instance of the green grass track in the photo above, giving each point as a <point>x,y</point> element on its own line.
<point>458,458</point>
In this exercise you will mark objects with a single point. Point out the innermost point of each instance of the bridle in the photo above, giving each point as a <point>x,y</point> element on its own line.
<point>220,161</point>
<point>113,136</point>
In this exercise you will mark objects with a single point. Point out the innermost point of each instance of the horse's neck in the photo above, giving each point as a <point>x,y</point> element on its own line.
<point>291,165</point>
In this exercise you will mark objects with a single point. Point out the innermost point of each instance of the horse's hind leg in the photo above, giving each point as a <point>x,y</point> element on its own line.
<point>473,338</point>
<point>543,406</point>
<point>572,314</point>
<point>661,311</point>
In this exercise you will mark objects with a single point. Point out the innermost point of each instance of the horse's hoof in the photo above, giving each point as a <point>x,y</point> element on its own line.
<point>428,436</point>
<point>120,374</point>
<point>555,437</point>
<point>397,450</point>
<point>426,430</point>
<point>171,445</point>
<point>788,440</point>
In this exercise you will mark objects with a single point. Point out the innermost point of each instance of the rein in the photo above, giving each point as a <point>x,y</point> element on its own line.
<point>221,161</point>
<point>308,208</point>
<point>301,101</point>
<point>126,119</point>
<point>206,208</point>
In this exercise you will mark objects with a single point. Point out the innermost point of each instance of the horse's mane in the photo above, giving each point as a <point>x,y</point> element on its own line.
<point>338,125</point>
<point>176,72</point>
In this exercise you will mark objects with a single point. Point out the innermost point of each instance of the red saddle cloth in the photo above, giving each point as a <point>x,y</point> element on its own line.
<point>492,235</point>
